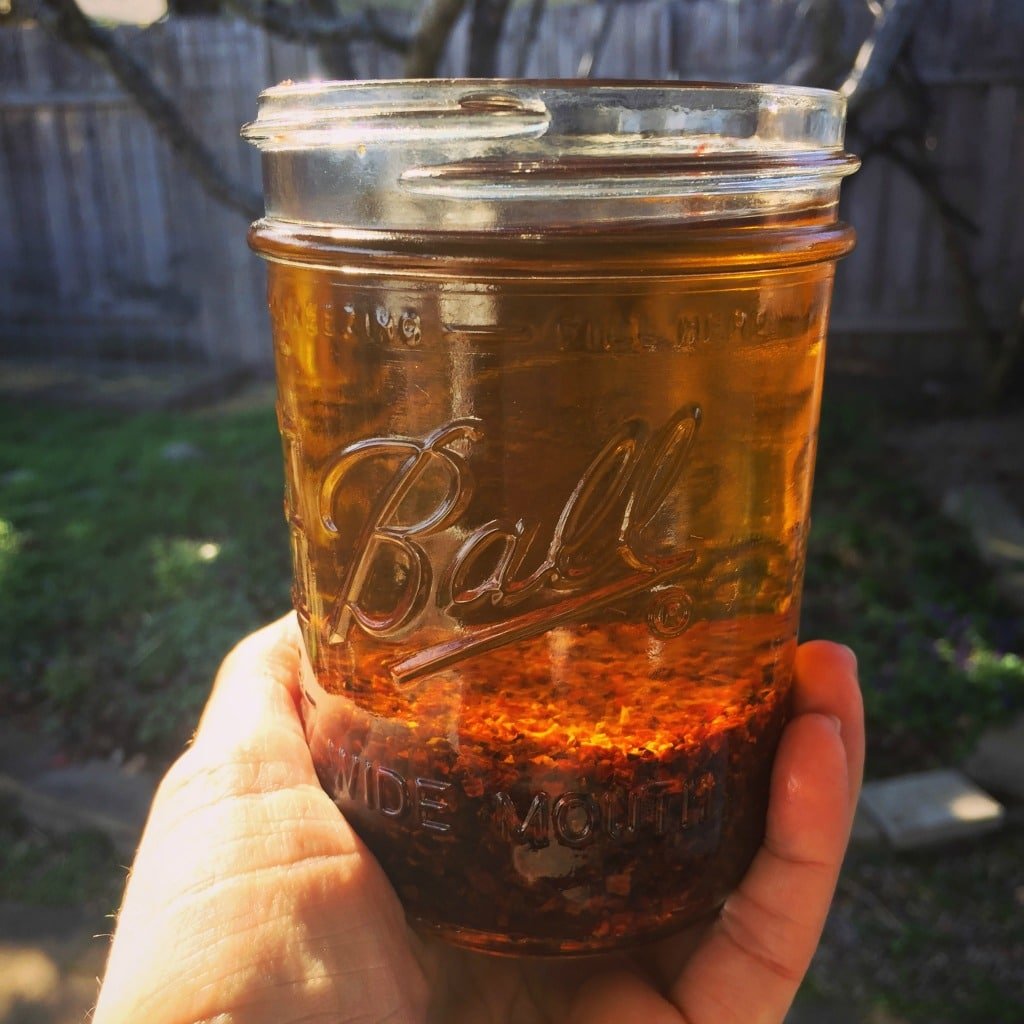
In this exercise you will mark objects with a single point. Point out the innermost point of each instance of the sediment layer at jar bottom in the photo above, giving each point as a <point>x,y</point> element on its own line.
<point>518,813</point>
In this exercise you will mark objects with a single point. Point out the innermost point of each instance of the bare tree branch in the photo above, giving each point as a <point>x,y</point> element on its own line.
<point>912,158</point>
<point>427,48</point>
<point>826,62</point>
<point>21,12</point>
<point>529,40</point>
<point>400,42</point>
<point>336,61</point>
<point>590,59</point>
<point>290,24</point>
<point>878,53</point>
<point>789,52</point>
<point>335,54</point>
<point>65,20</point>
<point>905,145</point>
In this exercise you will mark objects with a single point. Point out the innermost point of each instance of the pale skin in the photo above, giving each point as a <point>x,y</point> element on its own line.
<point>251,901</point>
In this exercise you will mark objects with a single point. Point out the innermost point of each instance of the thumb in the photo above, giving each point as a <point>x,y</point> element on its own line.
<point>755,955</point>
<point>256,692</point>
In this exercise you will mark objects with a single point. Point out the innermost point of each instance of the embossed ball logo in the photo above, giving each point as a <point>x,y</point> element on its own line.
<point>600,550</point>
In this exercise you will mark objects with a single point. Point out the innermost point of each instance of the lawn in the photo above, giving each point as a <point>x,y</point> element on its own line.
<point>134,550</point>
<point>133,553</point>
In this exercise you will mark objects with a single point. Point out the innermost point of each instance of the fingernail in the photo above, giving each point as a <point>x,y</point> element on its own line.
<point>853,655</point>
<point>835,722</point>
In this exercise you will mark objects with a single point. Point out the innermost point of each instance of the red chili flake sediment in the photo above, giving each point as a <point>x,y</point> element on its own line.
<point>570,793</point>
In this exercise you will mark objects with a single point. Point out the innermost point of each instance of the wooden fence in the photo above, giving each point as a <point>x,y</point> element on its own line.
<point>108,248</point>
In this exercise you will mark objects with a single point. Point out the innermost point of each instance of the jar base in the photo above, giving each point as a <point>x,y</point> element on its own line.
<point>493,944</point>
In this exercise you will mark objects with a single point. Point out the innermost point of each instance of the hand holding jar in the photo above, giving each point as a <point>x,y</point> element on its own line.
<point>252,900</point>
<point>549,364</point>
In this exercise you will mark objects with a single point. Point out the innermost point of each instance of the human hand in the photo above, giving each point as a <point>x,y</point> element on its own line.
<point>252,901</point>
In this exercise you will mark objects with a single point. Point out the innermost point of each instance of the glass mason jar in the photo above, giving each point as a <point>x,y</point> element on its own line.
<point>549,360</point>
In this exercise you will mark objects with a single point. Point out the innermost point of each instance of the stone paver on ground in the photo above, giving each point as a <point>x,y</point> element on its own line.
<point>87,795</point>
<point>60,796</point>
<point>924,808</point>
<point>997,762</point>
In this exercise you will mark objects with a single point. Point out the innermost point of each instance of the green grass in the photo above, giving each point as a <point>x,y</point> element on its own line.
<point>124,577</point>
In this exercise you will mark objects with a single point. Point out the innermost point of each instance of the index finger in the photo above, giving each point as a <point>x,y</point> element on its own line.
<point>825,682</point>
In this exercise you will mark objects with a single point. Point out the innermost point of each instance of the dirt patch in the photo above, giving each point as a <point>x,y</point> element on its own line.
<point>50,959</point>
<point>124,387</point>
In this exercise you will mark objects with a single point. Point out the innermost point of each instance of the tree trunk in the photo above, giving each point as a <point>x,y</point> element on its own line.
<point>435,27</point>
<point>485,36</point>
<point>65,20</point>
<point>335,56</point>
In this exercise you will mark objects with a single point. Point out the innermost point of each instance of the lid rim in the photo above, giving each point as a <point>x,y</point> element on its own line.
<point>500,153</point>
<point>294,107</point>
<point>289,88</point>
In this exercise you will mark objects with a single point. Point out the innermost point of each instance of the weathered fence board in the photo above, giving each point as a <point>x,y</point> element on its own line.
<point>108,247</point>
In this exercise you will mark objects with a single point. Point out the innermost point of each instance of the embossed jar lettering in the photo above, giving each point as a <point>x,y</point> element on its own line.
<point>581,818</point>
<point>425,802</point>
